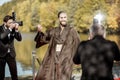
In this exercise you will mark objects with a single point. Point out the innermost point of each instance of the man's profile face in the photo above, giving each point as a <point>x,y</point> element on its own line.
<point>63,19</point>
<point>9,23</point>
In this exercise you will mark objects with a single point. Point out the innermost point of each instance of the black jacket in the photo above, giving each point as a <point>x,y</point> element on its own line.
<point>7,41</point>
<point>96,57</point>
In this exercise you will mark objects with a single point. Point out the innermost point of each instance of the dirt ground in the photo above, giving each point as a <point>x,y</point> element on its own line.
<point>21,78</point>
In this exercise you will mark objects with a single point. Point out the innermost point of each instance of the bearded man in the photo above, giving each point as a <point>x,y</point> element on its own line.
<point>63,42</point>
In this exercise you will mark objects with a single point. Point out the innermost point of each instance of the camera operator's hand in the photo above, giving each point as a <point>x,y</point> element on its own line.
<point>16,26</point>
<point>39,28</point>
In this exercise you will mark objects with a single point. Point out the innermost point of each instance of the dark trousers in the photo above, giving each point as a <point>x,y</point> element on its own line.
<point>11,61</point>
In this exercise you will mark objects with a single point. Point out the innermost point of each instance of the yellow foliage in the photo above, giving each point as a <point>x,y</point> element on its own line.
<point>44,12</point>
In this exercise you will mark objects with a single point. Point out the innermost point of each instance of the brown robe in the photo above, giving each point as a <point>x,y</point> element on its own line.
<point>57,65</point>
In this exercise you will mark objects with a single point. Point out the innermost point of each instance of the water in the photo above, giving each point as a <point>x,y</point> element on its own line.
<point>27,45</point>
<point>21,70</point>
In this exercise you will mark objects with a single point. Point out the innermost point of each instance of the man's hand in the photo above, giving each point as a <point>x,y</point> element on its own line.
<point>39,28</point>
<point>16,26</point>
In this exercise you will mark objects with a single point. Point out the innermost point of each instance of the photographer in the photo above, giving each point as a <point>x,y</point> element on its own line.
<point>8,32</point>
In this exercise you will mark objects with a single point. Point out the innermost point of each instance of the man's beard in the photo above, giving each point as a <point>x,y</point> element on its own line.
<point>64,25</point>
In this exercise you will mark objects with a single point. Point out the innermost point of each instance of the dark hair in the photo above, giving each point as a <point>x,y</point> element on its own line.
<point>60,13</point>
<point>98,29</point>
<point>7,17</point>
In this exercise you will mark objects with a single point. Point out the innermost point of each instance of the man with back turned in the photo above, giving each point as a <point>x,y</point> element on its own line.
<point>97,55</point>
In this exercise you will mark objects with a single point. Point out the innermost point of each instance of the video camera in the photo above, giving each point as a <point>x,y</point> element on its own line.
<point>14,18</point>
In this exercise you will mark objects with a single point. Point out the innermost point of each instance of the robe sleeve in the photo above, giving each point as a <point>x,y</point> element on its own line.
<point>76,41</point>
<point>43,38</point>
